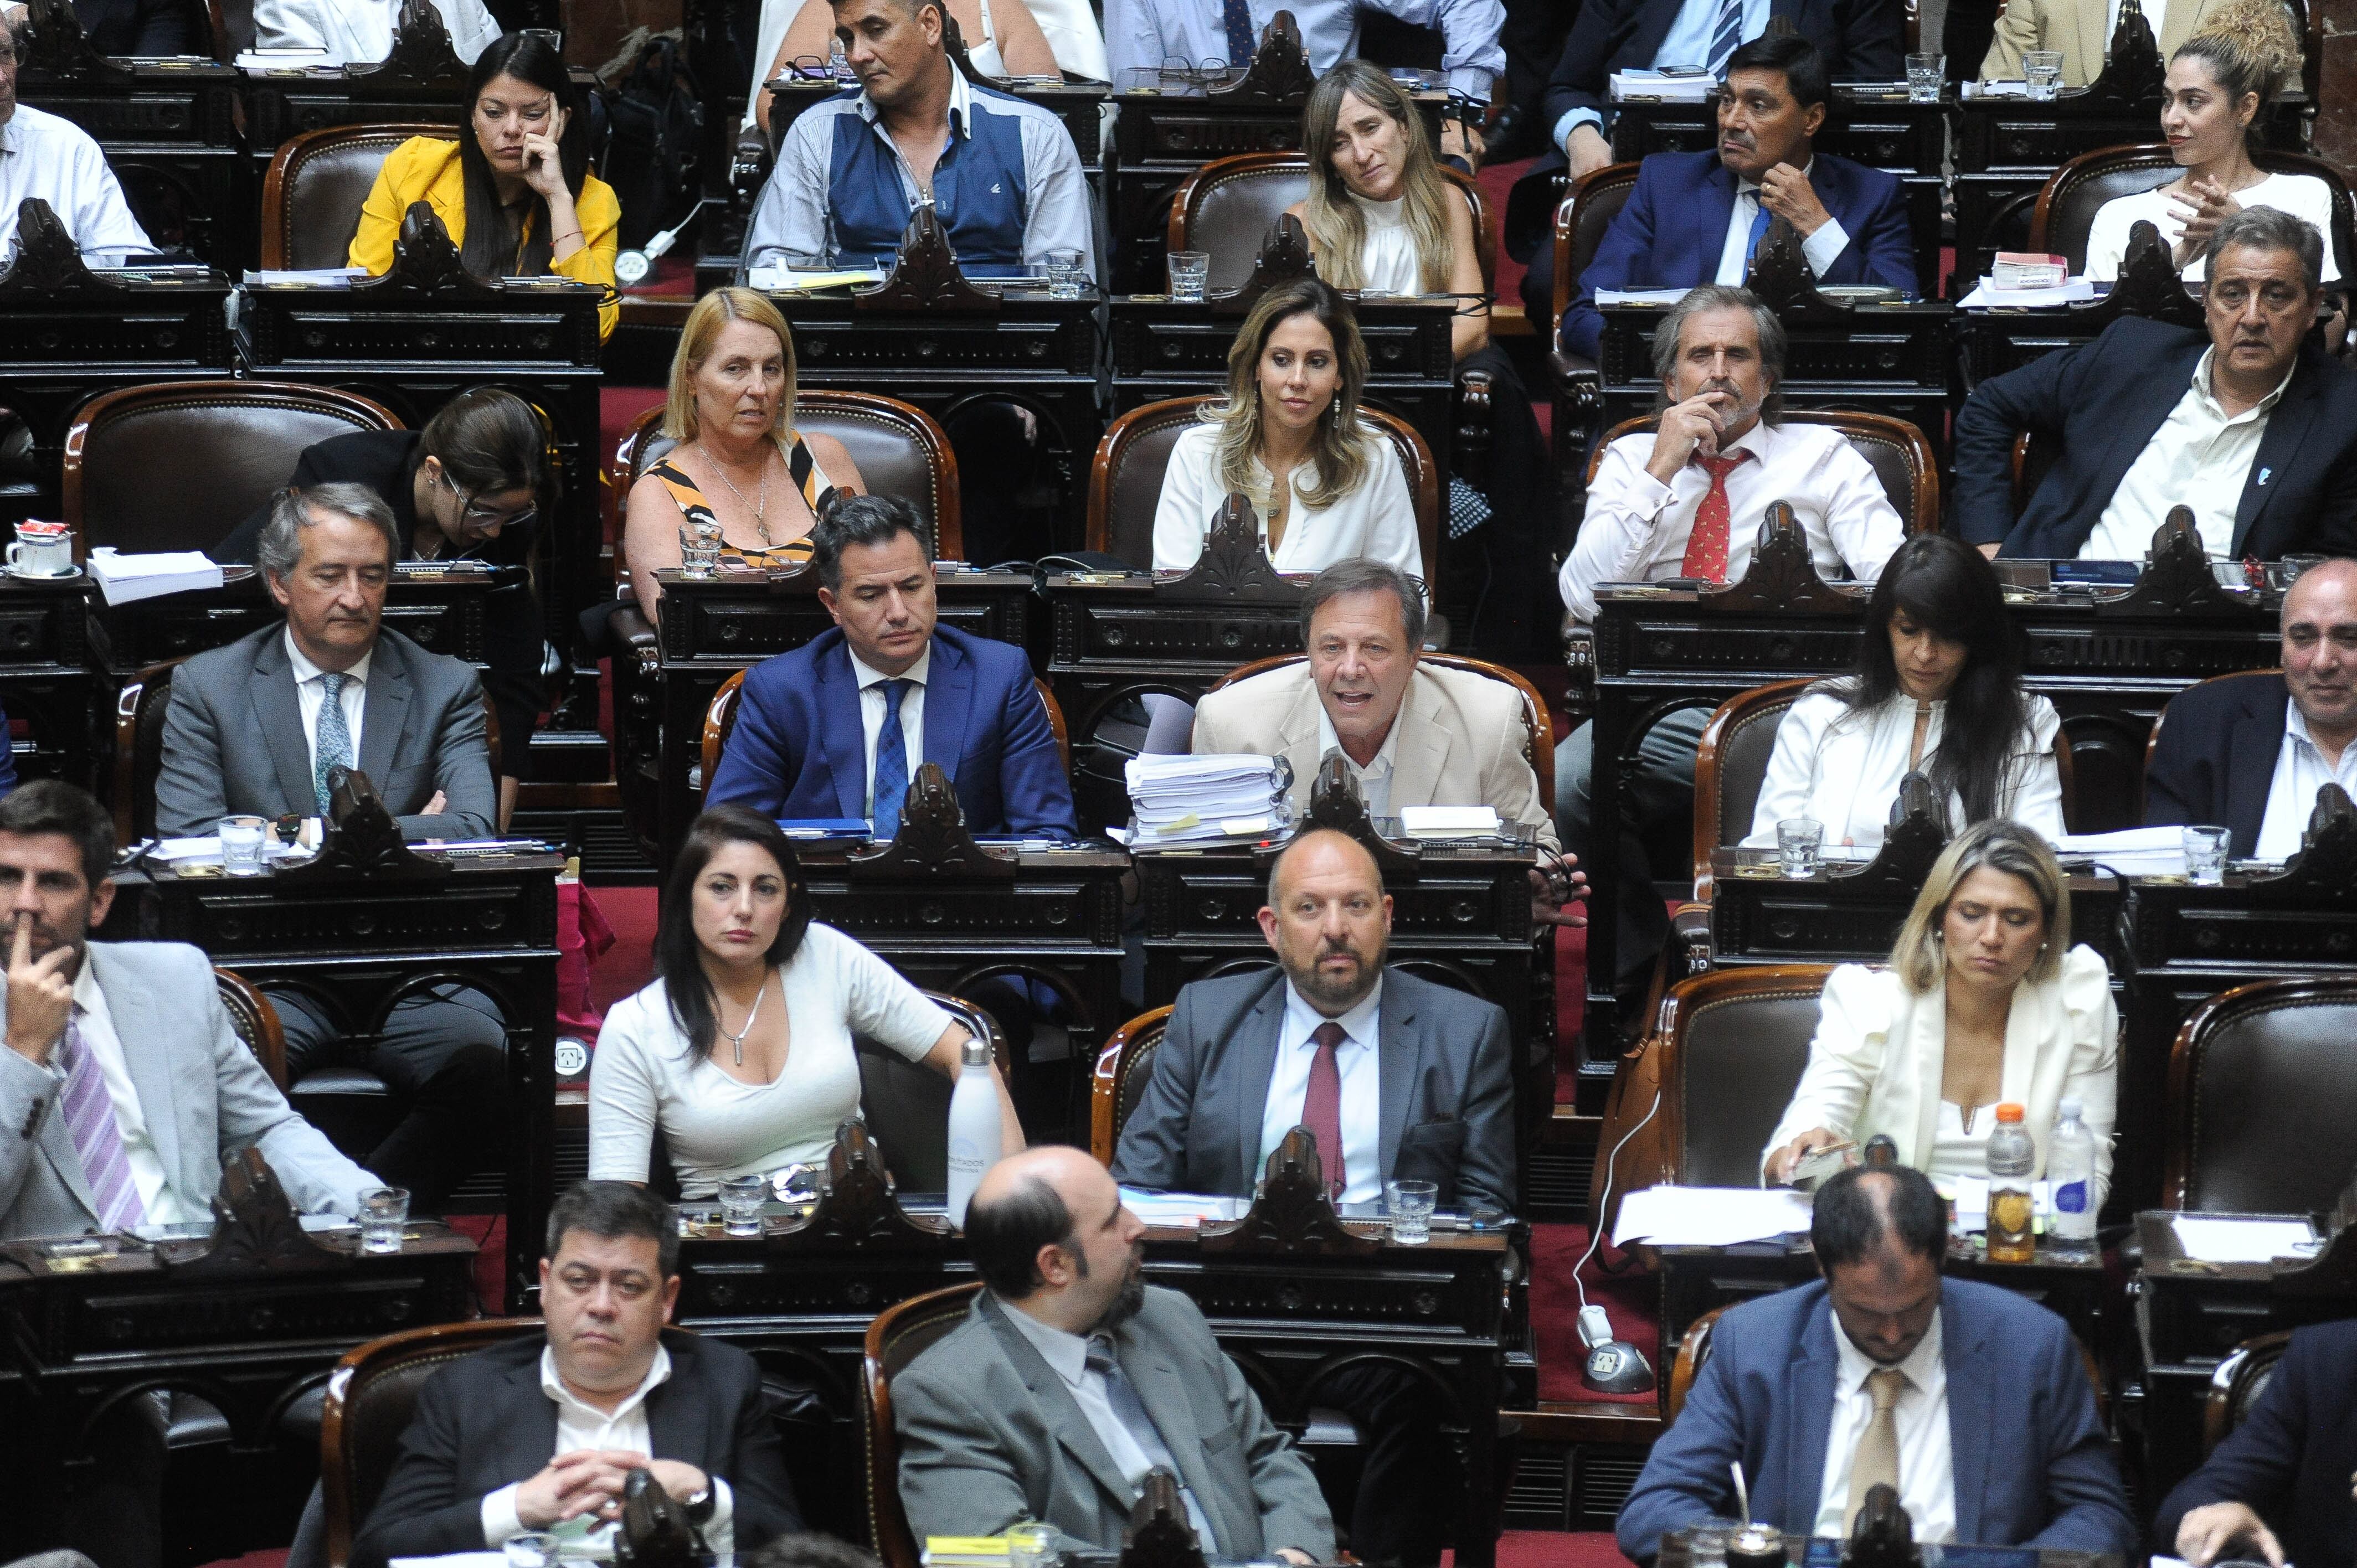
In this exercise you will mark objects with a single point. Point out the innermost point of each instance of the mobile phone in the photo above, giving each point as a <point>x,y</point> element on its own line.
<point>1681,70</point>
<point>1819,1164</point>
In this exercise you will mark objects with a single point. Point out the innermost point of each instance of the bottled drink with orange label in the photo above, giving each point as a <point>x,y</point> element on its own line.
<point>2012,1158</point>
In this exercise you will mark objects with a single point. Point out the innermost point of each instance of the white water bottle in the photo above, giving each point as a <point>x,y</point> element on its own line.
<point>2070,1178</point>
<point>974,1127</point>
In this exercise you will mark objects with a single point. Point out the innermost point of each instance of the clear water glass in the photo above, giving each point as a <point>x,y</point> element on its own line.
<point>241,843</point>
<point>1799,844</point>
<point>1707,1541</point>
<point>2205,855</point>
<point>1926,75</point>
<point>2293,566</point>
<point>699,549</point>
<point>740,1203</point>
<point>1409,1205</point>
<point>384,1215</point>
<point>2042,70</point>
<point>532,1548</point>
<point>1063,269</point>
<point>1190,272</point>
<point>1034,1546</point>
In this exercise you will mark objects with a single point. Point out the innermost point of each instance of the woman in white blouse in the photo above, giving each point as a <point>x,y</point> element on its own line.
<point>1985,1000</point>
<point>1937,691</point>
<point>1325,485</point>
<point>360,32</point>
<point>741,1050</point>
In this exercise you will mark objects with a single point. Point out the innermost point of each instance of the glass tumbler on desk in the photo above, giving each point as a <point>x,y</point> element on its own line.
<point>699,549</point>
<point>241,843</point>
<point>740,1203</point>
<point>2042,72</point>
<point>1926,74</point>
<point>1707,1541</point>
<point>1409,1206</point>
<point>1034,1546</point>
<point>1063,269</point>
<point>532,1548</point>
<point>1799,841</point>
<point>2205,855</point>
<point>384,1215</point>
<point>1190,272</point>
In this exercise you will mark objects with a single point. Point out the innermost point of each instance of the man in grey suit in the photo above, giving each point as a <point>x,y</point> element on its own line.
<point>1071,1380</point>
<point>256,729</point>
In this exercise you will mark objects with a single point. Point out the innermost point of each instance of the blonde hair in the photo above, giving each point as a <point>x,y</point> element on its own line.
<point>2250,47</point>
<point>1340,451</point>
<point>704,323</point>
<point>1338,229</point>
<point>1919,958</point>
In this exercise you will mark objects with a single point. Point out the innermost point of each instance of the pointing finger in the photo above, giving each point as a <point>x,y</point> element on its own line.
<point>23,947</point>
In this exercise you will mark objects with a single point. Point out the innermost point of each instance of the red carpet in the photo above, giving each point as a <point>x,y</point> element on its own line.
<point>1630,1300</point>
<point>1516,1549</point>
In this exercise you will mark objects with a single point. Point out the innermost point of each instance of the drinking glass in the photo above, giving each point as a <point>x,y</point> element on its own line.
<point>1798,841</point>
<point>240,842</point>
<point>2205,855</point>
<point>740,1203</point>
<point>699,549</point>
<point>1190,269</point>
<point>2293,565</point>
<point>384,1215</point>
<point>1410,1204</point>
<point>1063,268</point>
<point>2041,69</point>
<point>1926,74</point>
<point>1707,1541</point>
<point>533,1548</point>
<point>1033,1545</point>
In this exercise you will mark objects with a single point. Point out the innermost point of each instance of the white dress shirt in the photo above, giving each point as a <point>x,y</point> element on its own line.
<point>2301,772</point>
<point>1927,1470</point>
<point>1637,527</point>
<point>359,32</point>
<point>1358,1061</point>
<point>1687,43</point>
<point>2199,457</point>
<point>1821,249</point>
<point>1375,777</point>
<point>158,1200</point>
<point>2301,195</point>
<point>311,695</point>
<point>1375,519</point>
<point>47,156</point>
<point>1143,34</point>
<point>872,682</point>
<point>580,1425</point>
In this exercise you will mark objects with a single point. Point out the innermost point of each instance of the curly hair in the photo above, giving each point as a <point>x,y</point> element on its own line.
<point>2250,47</point>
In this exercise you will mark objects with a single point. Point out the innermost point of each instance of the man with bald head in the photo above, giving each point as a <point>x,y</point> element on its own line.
<point>1072,1380</point>
<point>2250,752</point>
<point>1970,1401</point>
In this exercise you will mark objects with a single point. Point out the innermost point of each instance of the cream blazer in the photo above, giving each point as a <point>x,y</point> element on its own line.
<point>1875,1064</point>
<point>2080,29</point>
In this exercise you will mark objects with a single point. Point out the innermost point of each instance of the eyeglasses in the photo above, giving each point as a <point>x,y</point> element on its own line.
<point>479,519</point>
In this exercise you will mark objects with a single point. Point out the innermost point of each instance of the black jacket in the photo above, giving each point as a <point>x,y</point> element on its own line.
<point>484,1423</point>
<point>2215,759</point>
<point>145,28</point>
<point>2291,1459</point>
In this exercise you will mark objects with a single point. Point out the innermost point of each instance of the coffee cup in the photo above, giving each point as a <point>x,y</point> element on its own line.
<point>42,550</point>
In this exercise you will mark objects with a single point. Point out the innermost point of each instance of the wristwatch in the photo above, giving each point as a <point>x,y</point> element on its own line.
<point>701,1505</point>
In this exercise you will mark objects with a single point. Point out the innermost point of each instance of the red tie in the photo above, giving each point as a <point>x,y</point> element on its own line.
<point>1321,1108</point>
<point>1706,545</point>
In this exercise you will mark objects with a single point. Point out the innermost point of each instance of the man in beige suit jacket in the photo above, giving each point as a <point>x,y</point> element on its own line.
<point>2082,30</point>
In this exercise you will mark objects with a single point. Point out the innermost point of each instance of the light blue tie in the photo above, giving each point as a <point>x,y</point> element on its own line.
<point>1134,1416</point>
<point>891,763</point>
<point>1725,37</point>
<point>334,746</point>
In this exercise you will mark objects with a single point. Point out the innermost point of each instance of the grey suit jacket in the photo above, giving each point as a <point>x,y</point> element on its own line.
<point>990,1435</point>
<point>205,1096</point>
<point>1448,1091</point>
<point>233,741</point>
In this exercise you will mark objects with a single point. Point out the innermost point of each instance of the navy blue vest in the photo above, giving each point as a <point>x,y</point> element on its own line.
<point>978,189</point>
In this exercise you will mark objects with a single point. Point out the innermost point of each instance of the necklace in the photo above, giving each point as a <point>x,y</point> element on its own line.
<point>760,514</point>
<point>738,1039</point>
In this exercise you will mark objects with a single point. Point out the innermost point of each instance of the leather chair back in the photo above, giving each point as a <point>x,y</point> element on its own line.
<point>1693,1355</point>
<point>1125,1066</point>
<point>1730,766</point>
<point>2255,1071</point>
<point>897,1337</point>
<point>312,195</point>
<point>2237,1385</point>
<point>1588,210</point>
<point>178,465</point>
<point>256,1023</point>
<point>371,1394</point>
<point>139,710</point>
<point>2065,213</point>
<point>1734,1043</point>
<point>906,1104</point>
<point>1897,452</point>
<point>1226,208</point>
<point>720,722</point>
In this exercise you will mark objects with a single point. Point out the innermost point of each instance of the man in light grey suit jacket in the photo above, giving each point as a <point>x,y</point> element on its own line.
<point>1069,1380</point>
<point>251,731</point>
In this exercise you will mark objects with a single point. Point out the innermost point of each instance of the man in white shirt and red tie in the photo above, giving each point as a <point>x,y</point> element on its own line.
<point>1686,500</point>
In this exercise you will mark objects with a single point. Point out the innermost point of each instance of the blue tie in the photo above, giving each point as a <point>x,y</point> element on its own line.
<point>334,746</point>
<point>1760,222</point>
<point>1725,37</point>
<point>891,763</point>
<point>1236,16</point>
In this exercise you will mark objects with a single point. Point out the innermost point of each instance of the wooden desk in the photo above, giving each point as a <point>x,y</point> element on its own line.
<point>437,604</point>
<point>45,680</point>
<point>1759,916</point>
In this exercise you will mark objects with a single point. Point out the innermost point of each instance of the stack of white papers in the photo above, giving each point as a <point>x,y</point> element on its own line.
<point>2078,290</point>
<point>127,578</point>
<point>312,277</point>
<point>2225,1241</point>
<point>1996,90</point>
<point>1180,1209</point>
<point>1179,798</point>
<point>1709,1216</point>
<point>1632,84</point>
<point>1449,821</point>
<point>2132,852</point>
<point>1611,297</point>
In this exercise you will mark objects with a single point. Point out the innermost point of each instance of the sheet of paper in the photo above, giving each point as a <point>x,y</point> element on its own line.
<point>1709,1216</point>
<point>1629,86</point>
<point>1448,821</point>
<point>2224,1241</point>
<point>1611,296</point>
<point>1179,1209</point>
<point>2132,852</point>
<point>2078,290</point>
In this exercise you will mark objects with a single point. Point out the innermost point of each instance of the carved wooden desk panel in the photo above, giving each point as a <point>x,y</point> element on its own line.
<point>169,131</point>
<point>1760,915</point>
<point>438,606</point>
<point>44,679</point>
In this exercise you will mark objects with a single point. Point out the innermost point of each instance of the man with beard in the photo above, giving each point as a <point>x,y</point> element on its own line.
<point>1070,1379</point>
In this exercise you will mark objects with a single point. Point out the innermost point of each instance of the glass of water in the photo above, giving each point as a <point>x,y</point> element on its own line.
<point>1707,1541</point>
<point>1190,271</point>
<point>2042,70</point>
<point>1034,1546</point>
<point>533,1548</point>
<point>740,1203</point>
<point>2293,566</point>
<point>1799,841</point>
<point>2205,855</point>
<point>1926,75</point>
<point>240,842</point>
<point>699,548</point>
<point>1063,269</point>
<point>1410,1204</point>
<point>384,1215</point>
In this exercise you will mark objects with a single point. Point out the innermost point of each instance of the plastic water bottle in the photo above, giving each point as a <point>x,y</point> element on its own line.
<point>974,1128</point>
<point>2070,1178</point>
<point>2012,1156</point>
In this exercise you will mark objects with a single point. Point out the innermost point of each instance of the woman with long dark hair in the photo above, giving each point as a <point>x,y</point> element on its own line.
<point>741,1049</point>
<point>1937,691</point>
<point>514,189</point>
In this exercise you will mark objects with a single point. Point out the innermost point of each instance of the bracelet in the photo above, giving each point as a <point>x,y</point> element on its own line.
<point>562,238</point>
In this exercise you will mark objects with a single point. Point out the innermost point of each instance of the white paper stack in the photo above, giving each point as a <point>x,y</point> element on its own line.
<point>1180,1209</point>
<point>1985,296</point>
<point>2132,852</point>
<point>771,279</point>
<point>1611,296</point>
<point>310,277</point>
<point>1449,821</point>
<point>1709,1216</point>
<point>2218,1240</point>
<point>1180,799</point>
<point>124,579</point>
<point>1628,85</point>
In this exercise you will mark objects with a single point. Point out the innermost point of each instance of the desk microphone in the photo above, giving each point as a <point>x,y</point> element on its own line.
<point>1614,1365</point>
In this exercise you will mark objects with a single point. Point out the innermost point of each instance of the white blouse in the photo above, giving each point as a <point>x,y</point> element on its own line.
<point>359,32</point>
<point>2301,195</point>
<point>1377,519</point>
<point>1389,264</point>
<point>1843,769</point>
<point>641,1077</point>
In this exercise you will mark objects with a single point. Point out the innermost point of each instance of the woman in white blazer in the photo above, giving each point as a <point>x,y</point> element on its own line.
<point>1985,1000</point>
<point>1937,691</point>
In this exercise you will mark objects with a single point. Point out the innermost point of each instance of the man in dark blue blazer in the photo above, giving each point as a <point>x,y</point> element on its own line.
<point>1697,217</point>
<point>831,730</point>
<point>1990,1437</point>
<point>2221,756</point>
<point>2150,415</point>
<point>2278,1488</point>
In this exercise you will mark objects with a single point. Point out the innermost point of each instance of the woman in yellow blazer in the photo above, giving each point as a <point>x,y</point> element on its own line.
<point>516,194</point>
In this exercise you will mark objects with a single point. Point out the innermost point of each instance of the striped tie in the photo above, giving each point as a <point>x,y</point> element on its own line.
<point>90,1117</point>
<point>334,746</point>
<point>1725,37</point>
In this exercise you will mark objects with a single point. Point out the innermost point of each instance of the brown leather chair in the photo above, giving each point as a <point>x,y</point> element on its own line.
<point>255,1021</point>
<point>1580,224</point>
<point>2065,213</point>
<point>2237,1385</point>
<point>897,1337</point>
<point>1123,1068</point>
<point>1731,765</point>
<point>1893,449</point>
<point>1226,208</point>
<point>178,465</point>
<point>2255,1071</point>
<point>1125,477</point>
<point>1693,1354</point>
<point>720,722</point>
<point>370,1396</point>
<point>312,195</point>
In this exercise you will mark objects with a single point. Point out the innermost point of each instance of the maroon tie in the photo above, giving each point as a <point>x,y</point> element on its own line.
<point>1706,545</point>
<point>1321,1108</point>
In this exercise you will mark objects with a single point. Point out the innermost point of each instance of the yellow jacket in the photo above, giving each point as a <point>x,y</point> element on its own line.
<point>425,168</point>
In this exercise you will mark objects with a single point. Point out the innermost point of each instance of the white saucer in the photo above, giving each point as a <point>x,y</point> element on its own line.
<point>67,576</point>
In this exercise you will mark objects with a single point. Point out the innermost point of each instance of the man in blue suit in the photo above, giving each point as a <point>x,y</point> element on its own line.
<point>2278,1488</point>
<point>1697,217</point>
<point>1970,1401</point>
<point>836,729</point>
